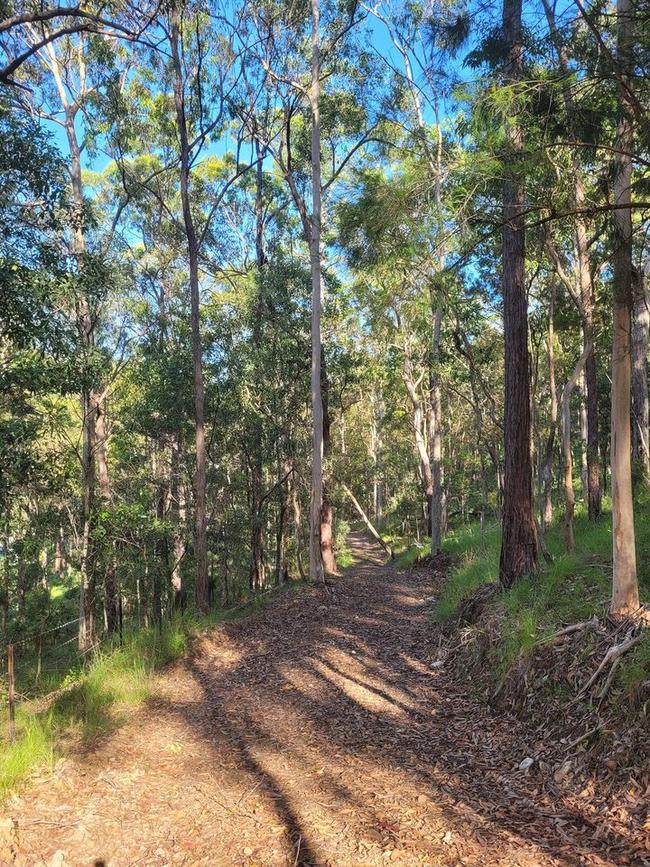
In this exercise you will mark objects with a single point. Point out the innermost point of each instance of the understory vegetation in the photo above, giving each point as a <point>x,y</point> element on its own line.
<point>571,589</point>
<point>80,702</point>
<point>270,270</point>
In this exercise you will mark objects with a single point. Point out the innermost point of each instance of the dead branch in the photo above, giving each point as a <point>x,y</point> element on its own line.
<point>612,656</point>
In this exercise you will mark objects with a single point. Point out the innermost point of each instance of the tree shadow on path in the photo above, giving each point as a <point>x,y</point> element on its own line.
<point>361,751</point>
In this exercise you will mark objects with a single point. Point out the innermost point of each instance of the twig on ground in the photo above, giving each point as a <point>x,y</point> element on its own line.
<point>593,623</point>
<point>585,736</point>
<point>613,655</point>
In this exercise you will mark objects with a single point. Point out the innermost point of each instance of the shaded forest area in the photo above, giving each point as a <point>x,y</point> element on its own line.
<point>272,271</point>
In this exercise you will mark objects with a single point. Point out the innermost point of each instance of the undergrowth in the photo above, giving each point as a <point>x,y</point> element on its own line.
<point>570,589</point>
<point>92,700</point>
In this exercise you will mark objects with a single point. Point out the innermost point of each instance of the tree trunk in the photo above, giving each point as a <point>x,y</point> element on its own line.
<point>327,511</point>
<point>436,438</point>
<point>567,454</point>
<point>582,419</point>
<point>377,412</point>
<point>257,576</point>
<point>161,569</point>
<point>284,504</point>
<point>594,495</point>
<point>420,439</point>
<point>625,590</point>
<point>366,520</point>
<point>257,571</point>
<point>519,540</point>
<point>111,591</point>
<point>297,523</point>
<point>547,467</point>
<point>315,559</point>
<point>177,513</point>
<point>640,420</point>
<point>86,327</point>
<point>59,552</point>
<point>202,588</point>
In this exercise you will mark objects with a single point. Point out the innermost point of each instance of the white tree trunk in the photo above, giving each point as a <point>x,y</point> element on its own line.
<point>625,589</point>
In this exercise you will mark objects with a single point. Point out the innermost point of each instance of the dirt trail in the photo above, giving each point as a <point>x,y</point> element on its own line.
<point>314,733</point>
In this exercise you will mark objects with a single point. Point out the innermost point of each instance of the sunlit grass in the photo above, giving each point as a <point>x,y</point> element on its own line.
<point>34,747</point>
<point>572,588</point>
<point>93,700</point>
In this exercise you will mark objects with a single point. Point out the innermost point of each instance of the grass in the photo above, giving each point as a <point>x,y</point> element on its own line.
<point>94,700</point>
<point>570,589</point>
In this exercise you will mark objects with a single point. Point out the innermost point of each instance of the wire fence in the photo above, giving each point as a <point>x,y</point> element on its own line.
<point>35,667</point>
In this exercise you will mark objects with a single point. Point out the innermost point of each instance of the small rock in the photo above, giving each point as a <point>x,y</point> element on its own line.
<point>527,763</point>
<point>247,851</point>
<point>448,839</point>
<point>57,860</point>
<point>563,771</point>
<point>438,663</point>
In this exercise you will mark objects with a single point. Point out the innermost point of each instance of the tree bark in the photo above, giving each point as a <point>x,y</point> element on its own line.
<point>366,520</point>
<point>315,559</point>
<point>86,329</point>
<point>111,591</point>
<point>202,588</point>
<point>625,590</point>
<point>640,333</point>
<point>257,572</point>
<point>436,437</point>
<point>519,539</point>
<point>418,432</point>
<point>327,511</point>
<point>567,453</point>
<point>161,568</point>
<point>177,510</point>
<point>582,419</point>
<point>547,466</point>
<point>376,446</point>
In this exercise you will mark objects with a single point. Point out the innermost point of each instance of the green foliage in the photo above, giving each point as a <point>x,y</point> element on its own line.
<point>94,700</point>
<point>571,589</point>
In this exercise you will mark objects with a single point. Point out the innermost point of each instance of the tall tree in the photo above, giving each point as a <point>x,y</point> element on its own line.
<point>625,590</point>
<point>584,297</point>
<point>202,587</point>
<point>519,541</point>
<point>315,558</point>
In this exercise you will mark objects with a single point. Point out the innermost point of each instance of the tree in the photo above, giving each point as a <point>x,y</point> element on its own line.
<point>625,590</point>
<point>519,542</point>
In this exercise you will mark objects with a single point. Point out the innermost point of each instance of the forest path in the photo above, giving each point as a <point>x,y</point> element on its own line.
<point>313,733</point>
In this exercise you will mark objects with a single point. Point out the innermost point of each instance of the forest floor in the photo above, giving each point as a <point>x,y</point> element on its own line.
<point>316,732</point>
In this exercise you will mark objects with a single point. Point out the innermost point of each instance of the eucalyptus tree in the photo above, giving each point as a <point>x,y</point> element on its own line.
<point>65,74</point>
<point>519,539</point>
<point>350,120</point>
<point>198,65</point>
<point>390,236</point>
<point>625,591</point>
<point>37,359</point>
<point>582,289</point>
<point>408,33</point>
